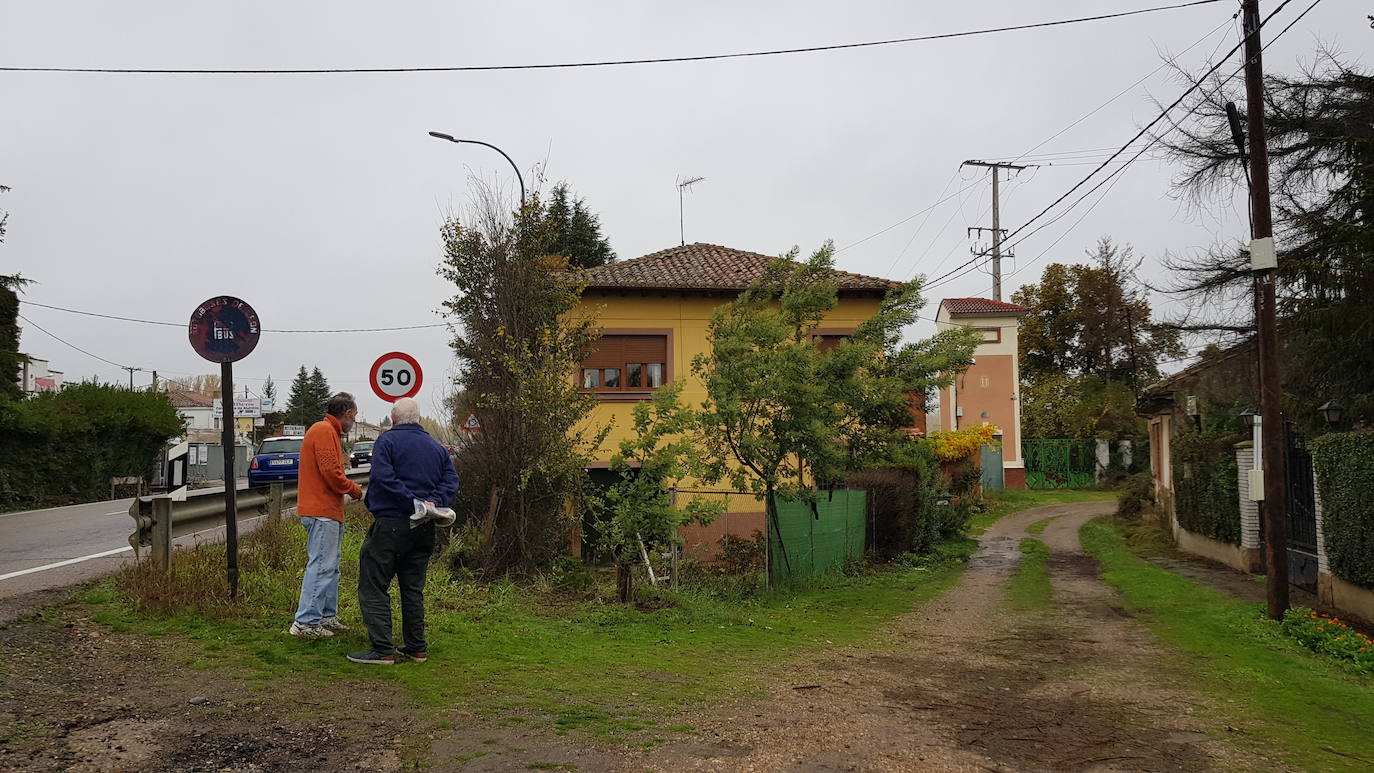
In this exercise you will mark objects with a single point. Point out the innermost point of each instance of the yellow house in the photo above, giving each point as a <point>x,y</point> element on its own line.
<point>654,311</point>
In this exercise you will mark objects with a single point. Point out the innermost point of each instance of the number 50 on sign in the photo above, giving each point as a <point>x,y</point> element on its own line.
<point>395,375</point>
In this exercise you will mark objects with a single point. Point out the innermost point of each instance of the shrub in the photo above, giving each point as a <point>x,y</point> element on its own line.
<point>63,447</point>
<point>958,444</point>
<point>1137,496</point>
<point>741,556</point>
<point>903,495</point>
<point>1206,492</point>
<point>1329,636</point>
<point>1344,464</point>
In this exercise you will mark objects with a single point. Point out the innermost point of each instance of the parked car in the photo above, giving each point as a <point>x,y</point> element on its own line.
<point>362,454</point>
<point>278,460</point>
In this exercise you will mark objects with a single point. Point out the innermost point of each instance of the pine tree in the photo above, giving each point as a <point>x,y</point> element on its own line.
<point>298,406</point>
<point>319,393</point>
<point>576,230</point>
<point>10,358</point>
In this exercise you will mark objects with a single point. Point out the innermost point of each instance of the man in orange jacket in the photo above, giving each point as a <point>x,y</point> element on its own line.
<point>320,505</point>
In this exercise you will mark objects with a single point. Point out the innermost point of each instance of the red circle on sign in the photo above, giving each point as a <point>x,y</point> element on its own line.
<point>386,379</point>
<point>224,329</point>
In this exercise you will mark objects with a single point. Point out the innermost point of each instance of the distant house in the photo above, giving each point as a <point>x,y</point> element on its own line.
<point>362,430</point>
<point>35,376</point>
<point>198,410</point>
<point>989,391</point>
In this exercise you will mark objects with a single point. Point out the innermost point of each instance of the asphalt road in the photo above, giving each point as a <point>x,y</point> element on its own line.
<point>60,546</point>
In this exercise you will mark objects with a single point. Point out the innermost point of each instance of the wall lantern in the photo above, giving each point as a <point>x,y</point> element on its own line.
<point>1332,411</point>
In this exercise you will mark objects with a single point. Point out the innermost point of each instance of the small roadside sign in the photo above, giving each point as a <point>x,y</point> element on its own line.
<point>471,424</point>
<point>224,329</point>
<point>395,375</point>
<point>293,430</point>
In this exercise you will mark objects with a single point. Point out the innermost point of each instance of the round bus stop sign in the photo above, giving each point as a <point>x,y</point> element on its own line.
<point>395,375</point>
<point>224,329</point>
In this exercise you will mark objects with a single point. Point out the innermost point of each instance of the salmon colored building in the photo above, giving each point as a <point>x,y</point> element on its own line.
<point>989,391</point>
<point>654,312</point>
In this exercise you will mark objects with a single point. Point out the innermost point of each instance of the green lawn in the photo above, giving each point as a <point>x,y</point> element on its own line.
<point>1307,710</point>
<point>557,650</point>
<point>1003,503</point>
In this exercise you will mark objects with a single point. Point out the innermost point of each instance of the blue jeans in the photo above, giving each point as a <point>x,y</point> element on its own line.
<point>320,587</point>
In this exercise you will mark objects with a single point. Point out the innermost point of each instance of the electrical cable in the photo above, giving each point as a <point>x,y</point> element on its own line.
<point>72,345</point>
<point>1163,114</point>
<point>609,63</point>
<point>265,330</point>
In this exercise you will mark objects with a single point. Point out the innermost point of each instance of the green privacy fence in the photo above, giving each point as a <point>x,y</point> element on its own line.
<point>1059,463</point>
<point>816,538</point>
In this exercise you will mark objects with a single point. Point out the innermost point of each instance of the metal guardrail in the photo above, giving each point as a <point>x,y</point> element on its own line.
<point>159,520</point>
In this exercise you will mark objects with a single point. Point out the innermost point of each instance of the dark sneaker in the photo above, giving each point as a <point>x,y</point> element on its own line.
<point>418,657</point>
<point>372,658</point>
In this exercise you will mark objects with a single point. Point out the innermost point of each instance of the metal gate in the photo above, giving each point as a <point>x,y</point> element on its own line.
<point>1302,510</point>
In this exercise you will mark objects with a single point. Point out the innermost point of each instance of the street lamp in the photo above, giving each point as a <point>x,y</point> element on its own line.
<point>451,138</point>
<point>1332,411</point>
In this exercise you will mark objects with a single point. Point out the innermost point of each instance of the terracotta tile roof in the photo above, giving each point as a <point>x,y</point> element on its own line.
<point>190,400</point>
<point>982,307</point>
<point>704,267</point>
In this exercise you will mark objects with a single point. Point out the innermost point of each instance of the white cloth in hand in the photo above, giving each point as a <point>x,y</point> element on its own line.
<point>427,511</point>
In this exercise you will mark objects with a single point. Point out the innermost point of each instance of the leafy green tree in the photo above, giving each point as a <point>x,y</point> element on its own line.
<point>660,454</point>
<point>1087,345</point>
<point>1322,169</point>
<point>788,415</point>
<point>519,344</point>
<point>576,230</point>
<point>319,393</point>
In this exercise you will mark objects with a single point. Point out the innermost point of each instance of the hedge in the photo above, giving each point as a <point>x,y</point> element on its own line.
<point>1344,463</point>
<point>63,447</point>
<point>1206,492</point>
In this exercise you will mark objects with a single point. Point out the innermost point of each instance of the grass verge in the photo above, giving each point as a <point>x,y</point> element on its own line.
<point>562,655</point>
<point>1003,503</point>
<point>1029,589</point>
<point>1297,707</point>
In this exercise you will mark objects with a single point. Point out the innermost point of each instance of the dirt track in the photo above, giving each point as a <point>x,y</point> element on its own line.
<point>969,685</point>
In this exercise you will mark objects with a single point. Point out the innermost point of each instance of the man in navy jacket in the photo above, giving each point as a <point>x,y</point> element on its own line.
<point>409,471</point>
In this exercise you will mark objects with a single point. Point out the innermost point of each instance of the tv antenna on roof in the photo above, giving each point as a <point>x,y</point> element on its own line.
<point>683,185</point>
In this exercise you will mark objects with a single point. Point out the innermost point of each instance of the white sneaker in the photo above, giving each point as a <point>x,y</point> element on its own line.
<point>309,631</point>
<point>333,624</point>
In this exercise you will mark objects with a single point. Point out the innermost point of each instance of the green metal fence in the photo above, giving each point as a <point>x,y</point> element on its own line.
<point>816,538</point>
<point>1059,463</point>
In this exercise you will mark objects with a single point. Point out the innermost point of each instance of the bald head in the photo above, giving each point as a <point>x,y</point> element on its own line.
<point>405,411</point>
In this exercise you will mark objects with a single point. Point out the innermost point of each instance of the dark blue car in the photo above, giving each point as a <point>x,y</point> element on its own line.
<point>278,461</point>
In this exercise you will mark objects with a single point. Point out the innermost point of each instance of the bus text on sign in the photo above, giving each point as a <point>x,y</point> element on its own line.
<point>396,375</point>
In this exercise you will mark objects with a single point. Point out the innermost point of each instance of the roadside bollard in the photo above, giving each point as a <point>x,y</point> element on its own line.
<point>275,493</point>
<point>162,532</point>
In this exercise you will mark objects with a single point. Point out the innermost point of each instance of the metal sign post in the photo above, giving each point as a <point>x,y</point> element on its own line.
<point>225,330</point>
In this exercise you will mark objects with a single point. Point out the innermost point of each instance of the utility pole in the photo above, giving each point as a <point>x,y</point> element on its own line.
<point>997,230</point>
<point>131,370</point>
<point>153,388</point>
<point>1263,262</point>
<point>681,223</point>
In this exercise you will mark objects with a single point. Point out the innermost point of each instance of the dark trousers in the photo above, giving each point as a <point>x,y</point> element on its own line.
<point>393,549</point>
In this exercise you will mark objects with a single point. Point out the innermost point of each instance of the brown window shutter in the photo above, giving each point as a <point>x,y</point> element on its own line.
<point>645,348</point>
<point>609,353</point>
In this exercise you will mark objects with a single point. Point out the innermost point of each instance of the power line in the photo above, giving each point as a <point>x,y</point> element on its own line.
<point>1045,141</point>
<point>72,345</point>
<point>1163,114</point>
<point>265,330</point>
<point>609,63</point>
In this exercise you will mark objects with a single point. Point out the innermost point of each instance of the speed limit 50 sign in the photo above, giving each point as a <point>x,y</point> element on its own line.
<point>395,375</point>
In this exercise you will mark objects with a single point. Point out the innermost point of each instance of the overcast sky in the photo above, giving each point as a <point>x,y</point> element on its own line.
<point>318,198</point>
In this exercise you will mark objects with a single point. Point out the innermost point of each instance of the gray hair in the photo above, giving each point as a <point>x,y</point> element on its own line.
<point>405,411</point>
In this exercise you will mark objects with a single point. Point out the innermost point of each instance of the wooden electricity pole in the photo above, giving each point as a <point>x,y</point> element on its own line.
<point>1263,261</point>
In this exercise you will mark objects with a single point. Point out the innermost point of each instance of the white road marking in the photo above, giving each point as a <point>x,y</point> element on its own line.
<point>68,562</point>
<point>48,509</point>
<point>119,512</point>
